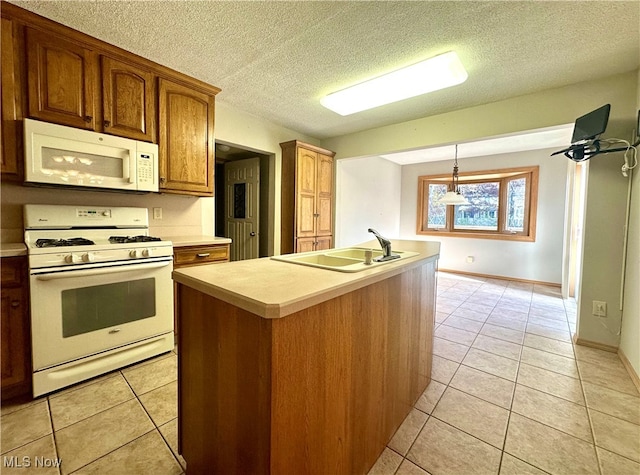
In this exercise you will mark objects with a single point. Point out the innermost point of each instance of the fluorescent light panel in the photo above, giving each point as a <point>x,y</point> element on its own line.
<point>435,73</point>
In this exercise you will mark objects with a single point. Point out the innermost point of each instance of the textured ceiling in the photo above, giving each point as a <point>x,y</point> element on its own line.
<point>277,59</point>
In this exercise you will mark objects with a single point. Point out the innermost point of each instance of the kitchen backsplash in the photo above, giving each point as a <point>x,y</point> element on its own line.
<point>181,215</point>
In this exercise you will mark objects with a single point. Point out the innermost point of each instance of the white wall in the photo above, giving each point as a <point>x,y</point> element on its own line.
<point>539,261</point>
<point>248,131</point>
<point>604,226</point>
<point>367,196</point>
<point>606,195</point>
<point>182,215</point>
<point>630,335</point>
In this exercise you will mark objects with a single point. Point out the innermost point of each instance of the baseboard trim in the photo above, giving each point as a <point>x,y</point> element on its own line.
<point>594,344</point>
<point>629,368</point>
<point>500,277</point>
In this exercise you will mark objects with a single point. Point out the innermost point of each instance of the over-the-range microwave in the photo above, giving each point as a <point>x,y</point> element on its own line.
<point>59,155</point>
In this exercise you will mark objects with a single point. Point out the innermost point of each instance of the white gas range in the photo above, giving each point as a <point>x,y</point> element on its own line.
<point>101,291</point>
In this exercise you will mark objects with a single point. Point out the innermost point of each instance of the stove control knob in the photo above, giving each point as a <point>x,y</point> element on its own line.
<point>133,253</point>
<point>88,257</point>
<point>146,252</point>
<point>69,258</point>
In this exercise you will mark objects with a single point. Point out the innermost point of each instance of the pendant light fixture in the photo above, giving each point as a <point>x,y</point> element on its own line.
<point>454,197</point>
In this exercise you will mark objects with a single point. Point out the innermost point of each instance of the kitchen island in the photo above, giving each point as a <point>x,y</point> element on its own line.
<point>285,368</point>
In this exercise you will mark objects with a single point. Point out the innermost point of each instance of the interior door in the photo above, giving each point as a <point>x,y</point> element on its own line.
<point>242,184</point>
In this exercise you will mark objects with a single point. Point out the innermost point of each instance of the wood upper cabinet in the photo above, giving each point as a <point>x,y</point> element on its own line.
<point>324,196</point>
<point>61,79</point>
<point>186,143</point>
<point>11,129</point>
<point>59,75</point>
<point>14,328</point>
<point>307,198</point>
<point>306,188</point>
<point>128,95</point>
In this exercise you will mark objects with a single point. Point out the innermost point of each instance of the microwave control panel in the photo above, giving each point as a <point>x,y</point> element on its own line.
<point>145,168</point>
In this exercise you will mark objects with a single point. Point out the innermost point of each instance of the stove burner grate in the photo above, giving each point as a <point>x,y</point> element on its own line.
<point>64,242</point>
<point>128,239</point>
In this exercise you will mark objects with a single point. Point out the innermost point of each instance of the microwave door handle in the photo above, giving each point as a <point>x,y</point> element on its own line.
<point>130,166</point>
<point>100,271</point>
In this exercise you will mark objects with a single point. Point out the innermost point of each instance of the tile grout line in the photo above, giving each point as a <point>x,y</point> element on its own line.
<point>53,436</point>
<point>586,407</point>
<point>156,427</point>
<point>575,360</point>
<point>515,383</point>
<point>513,397</point>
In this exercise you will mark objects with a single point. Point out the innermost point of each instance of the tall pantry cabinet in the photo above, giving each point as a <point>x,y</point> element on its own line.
<point>307,197</point>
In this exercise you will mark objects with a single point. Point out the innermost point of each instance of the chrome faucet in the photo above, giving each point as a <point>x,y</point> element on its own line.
<point>386,247</point>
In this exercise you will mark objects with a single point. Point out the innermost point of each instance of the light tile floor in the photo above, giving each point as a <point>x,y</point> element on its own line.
<point>510,394</point>
<point>124,422</point>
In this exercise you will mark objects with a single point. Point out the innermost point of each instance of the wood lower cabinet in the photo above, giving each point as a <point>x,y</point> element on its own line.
<point>324,242</point>
<point>186,139</point>
<point>304,245</point>
<point>319,391</point>
<point>185,256</point>
<point>15,328</point>
<point>128,94</point>
<point>316,243</point>
<point>307,197</point>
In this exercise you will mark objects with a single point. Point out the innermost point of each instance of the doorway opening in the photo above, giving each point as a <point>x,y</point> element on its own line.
<point>245,200</point>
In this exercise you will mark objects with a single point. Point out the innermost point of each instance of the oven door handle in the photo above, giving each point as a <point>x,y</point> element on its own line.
<point>100,271</point>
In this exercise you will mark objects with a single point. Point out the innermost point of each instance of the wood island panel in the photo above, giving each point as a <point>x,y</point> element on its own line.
<point>319,391</point>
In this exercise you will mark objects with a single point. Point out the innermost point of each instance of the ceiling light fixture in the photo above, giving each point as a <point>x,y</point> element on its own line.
<point>439,72</point>
<point>453,196</point>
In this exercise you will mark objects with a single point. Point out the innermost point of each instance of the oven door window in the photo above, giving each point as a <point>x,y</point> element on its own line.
<point>93,308</point>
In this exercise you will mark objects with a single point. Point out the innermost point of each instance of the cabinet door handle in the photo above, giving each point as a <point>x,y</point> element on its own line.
<point>162,180</point>
<point>252,234</point>
<point>15,303</point>
<point>107,123</point>
<point>88,118</point>
<point>317,215</point>
<point>203,255</point>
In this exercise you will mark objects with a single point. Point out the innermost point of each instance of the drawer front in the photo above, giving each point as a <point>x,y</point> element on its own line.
<point>189,256</point>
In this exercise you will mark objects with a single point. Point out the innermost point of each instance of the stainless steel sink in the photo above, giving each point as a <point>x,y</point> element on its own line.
<point>351,259</point>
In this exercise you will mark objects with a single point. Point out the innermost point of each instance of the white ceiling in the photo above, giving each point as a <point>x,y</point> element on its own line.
<point>277,59</point>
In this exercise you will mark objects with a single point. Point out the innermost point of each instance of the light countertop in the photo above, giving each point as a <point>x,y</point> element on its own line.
<point>274,289</point>
<point>183,241</point>
<point>13,249</point>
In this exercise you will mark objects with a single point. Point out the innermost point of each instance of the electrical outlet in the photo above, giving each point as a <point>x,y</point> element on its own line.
<point>157,213</point>
<point>599,308</point>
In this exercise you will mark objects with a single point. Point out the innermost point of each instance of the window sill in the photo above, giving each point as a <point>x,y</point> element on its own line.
<point>479,235</point>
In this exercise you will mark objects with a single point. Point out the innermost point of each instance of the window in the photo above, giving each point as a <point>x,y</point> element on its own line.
<point>502,205</point>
